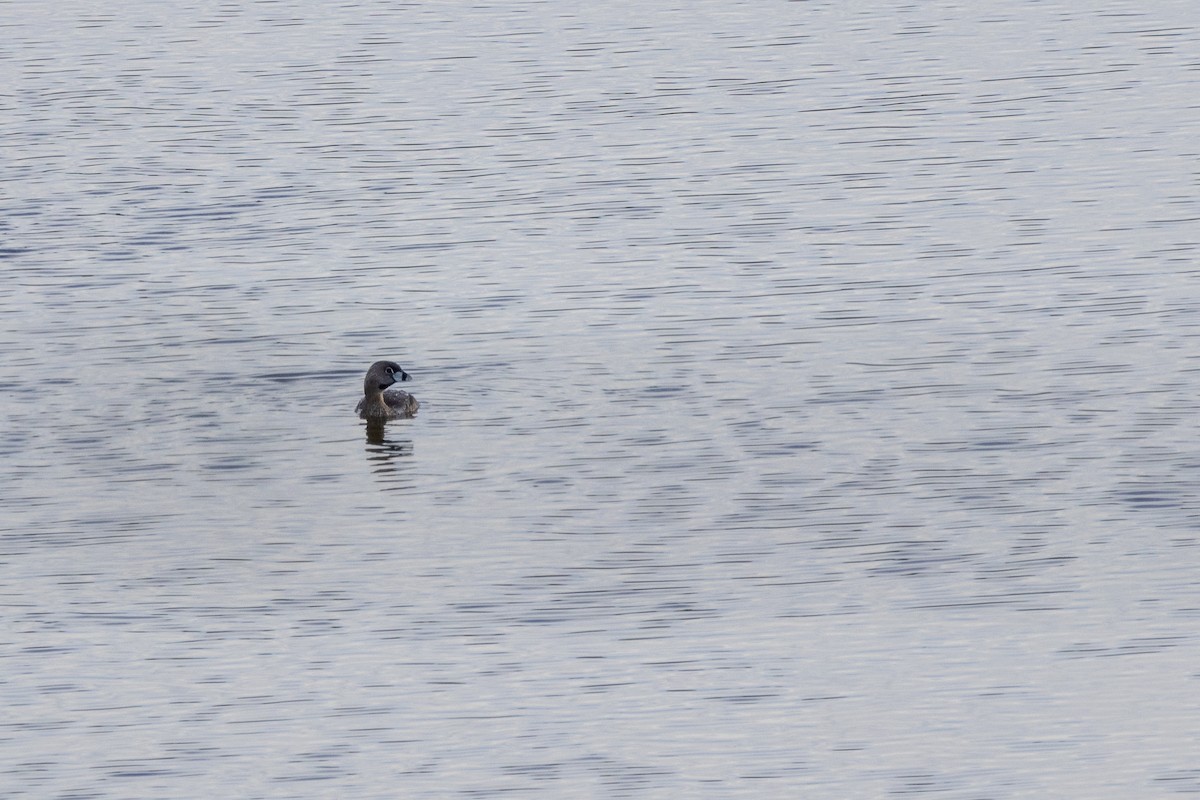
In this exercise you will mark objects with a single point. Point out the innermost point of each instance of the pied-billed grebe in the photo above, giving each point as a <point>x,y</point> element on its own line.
<point>380,406</point>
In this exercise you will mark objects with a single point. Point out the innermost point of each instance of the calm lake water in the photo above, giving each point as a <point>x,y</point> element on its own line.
<point>809,400</point>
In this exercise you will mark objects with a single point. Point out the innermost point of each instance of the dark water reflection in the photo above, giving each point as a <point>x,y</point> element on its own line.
<point>808,392</point>
<point>387,455</point>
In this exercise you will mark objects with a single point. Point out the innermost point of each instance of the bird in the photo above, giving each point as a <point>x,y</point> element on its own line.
<point>378,405</point>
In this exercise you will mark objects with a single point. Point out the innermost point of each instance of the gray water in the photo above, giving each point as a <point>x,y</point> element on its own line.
<point>809,400</point>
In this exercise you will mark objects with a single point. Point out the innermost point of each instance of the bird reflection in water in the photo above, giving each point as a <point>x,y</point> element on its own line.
<point>386,454</point>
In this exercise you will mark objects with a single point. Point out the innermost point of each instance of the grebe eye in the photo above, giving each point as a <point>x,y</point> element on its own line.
<point>389,370</point>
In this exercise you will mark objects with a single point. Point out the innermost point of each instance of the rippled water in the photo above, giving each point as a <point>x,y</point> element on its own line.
<point>808,395</point>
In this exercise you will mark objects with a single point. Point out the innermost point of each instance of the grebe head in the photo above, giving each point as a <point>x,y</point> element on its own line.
<point>383,374</point>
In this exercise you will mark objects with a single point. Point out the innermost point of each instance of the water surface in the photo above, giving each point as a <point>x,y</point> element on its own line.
<point>808,400</point>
